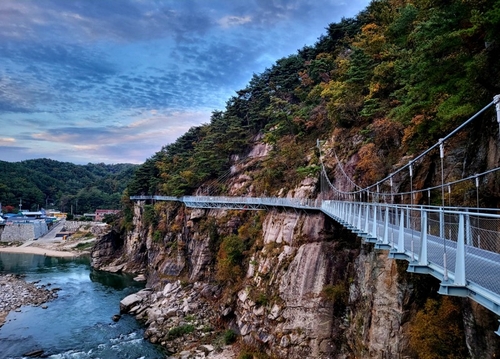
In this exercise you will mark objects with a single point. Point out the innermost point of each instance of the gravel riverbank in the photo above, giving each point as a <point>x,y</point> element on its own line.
<point>16,292</point>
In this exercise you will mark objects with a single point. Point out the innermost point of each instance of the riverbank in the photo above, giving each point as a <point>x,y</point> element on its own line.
<point>16,292</point>
<point>54,244</point>
<point>40,251</point>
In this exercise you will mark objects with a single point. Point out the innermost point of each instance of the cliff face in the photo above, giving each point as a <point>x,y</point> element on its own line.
<point>312,290</point>
<point>300,287</point>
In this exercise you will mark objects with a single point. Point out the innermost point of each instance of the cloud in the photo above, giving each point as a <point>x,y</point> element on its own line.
<point>120,79</point>
<point>145,134</point>
<point>231,20</point>
<point>7,141</point>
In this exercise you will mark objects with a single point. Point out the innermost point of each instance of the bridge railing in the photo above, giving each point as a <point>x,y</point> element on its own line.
<point>459,247</point>
<point>263,201</point>
<point>240,202</point>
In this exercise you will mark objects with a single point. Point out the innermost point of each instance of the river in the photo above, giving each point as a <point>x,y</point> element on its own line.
<point>77,324</point>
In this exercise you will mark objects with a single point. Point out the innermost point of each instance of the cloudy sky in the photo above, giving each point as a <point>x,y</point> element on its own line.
<point>114,80</point>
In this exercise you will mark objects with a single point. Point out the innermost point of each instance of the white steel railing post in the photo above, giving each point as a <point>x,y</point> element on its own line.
<point>441,222</point>
<point>385,240</point>
<point>351,213</point>
<point>496,100</point>
<point>367,218</point>
<point>468,230</point>
<point>422,257</point>
<point>401,234</point>
<point>374,226</point>
<point>347,212</point>
<point>460,254</point>
<point>359,216</point>
<point>441,234</point>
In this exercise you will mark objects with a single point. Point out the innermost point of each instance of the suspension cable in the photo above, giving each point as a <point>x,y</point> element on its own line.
<point>440,143</point>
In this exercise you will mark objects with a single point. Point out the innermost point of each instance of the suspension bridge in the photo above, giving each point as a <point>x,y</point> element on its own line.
<point>460,246</point>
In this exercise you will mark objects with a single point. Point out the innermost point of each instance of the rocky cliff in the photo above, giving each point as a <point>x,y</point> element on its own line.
<point>291,284</point>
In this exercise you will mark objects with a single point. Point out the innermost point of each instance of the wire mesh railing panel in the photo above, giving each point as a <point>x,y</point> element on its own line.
<point>451,226</point>
<point>485,272</point>
<point>483,233</point>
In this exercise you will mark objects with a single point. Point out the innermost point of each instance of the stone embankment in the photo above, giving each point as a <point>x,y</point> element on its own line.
<point>16,292</point>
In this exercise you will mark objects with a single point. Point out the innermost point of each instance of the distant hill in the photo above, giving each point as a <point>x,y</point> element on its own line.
<point>61,185</point>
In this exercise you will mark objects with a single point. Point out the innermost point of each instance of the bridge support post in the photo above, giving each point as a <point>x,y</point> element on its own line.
<point>399,253</point>
<point>372,235</point>
<point>384,245</point>
<point>458,287</point>
<point>422,266</point>
<point>367,219</point>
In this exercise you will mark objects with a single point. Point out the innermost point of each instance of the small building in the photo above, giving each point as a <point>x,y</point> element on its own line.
<point>100,213</point>
<point>57,214</point>
<point>89,215</point>
<point>33,215</point>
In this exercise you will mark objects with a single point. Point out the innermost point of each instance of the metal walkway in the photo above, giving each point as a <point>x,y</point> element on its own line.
<point>459,246</point>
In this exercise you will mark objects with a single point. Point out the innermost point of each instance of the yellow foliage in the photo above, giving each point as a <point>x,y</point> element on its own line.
<point>436,331</point>
<point>371,40</point>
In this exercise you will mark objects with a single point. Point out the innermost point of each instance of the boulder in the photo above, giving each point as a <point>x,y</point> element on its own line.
<point>129,301</point>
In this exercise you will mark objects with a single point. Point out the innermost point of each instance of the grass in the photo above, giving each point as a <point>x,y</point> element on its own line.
<point>179,331</point>
<point>84,246</point>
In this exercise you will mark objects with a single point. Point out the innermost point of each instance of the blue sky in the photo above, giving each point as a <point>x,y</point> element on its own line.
<point>114,80</point>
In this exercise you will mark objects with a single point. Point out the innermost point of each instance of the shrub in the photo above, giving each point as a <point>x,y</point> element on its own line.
<point>179,331</point>
<point>149,216</point>
<point>229,336</point>
<point>157,236</point>
<point>334,292</point>
<point>261,299</point>
<point>229,259</point>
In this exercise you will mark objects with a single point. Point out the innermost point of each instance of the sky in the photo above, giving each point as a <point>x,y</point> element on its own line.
<point>113,81</point>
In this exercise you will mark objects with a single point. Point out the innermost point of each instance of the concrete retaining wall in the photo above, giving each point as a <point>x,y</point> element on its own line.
<point>23,231</point>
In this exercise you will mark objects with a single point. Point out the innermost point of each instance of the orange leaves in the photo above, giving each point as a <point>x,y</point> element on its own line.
<point>387,132</point>
<point>436,330</point>
<point>370,166</point>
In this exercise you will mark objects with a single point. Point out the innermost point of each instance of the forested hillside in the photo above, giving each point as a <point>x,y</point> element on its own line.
<point>48,183</point>
<point>399,75</point>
